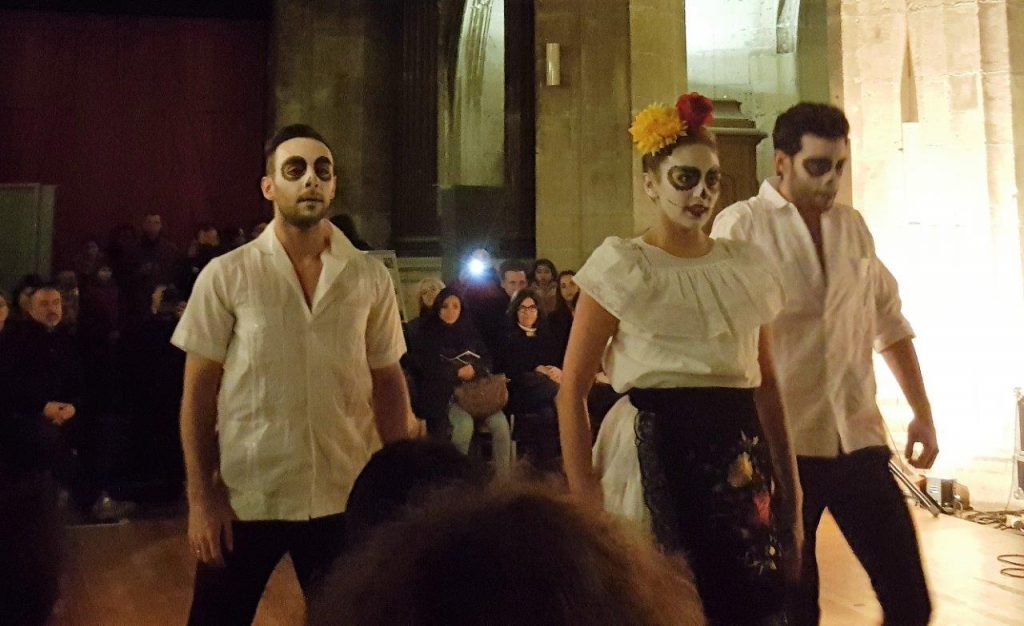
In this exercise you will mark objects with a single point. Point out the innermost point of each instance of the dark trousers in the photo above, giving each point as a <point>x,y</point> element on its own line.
<point>869,509</point>
<point>226,596</point>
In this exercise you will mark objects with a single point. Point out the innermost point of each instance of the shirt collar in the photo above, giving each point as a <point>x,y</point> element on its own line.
<point>769,192</point>
<point>341,249</point>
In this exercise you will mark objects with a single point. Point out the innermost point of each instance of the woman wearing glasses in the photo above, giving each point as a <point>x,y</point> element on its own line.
<point>530,358</point>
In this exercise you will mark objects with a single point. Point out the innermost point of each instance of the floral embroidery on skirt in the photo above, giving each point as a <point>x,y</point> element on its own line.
<point>707,478</point>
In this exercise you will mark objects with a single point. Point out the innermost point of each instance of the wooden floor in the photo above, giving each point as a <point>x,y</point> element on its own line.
<point>141,573</point>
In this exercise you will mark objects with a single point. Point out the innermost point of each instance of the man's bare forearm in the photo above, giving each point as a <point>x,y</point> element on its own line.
<point>199,426</point>
<point>901,357</point>
<point>391,408</point>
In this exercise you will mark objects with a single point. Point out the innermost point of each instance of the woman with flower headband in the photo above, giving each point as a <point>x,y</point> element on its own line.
<point>698,449</point>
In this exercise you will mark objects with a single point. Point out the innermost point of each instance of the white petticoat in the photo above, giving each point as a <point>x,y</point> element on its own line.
<point>616,462</point>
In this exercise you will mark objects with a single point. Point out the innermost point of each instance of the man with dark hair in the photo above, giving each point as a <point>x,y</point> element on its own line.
<point>841,303</point>
<point>513,277</point>
<point>291,382</point>
<point>41,376</point>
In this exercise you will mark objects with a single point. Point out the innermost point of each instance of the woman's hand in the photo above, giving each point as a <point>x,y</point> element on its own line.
<point>554,374</point>
<point>466,373</point>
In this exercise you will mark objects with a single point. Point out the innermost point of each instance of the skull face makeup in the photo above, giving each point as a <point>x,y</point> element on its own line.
<point>686,186</point>
<point>810,178</point>
<point>301,193</point>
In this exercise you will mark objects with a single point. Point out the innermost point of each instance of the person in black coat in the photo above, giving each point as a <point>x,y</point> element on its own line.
<point>531,358</point>
<point>41,375</point>
<point>437,341</point>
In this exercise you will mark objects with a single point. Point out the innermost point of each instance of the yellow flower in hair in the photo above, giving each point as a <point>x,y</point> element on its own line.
<point>656,127</point>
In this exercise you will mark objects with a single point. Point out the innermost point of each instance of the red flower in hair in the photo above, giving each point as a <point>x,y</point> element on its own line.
<point>695,110</point>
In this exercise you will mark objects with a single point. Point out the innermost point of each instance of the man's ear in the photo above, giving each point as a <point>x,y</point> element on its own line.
<point>267,187</point>
<point>780,161</point>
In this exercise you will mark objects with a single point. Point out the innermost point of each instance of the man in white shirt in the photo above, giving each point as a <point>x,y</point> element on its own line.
<point>841,302</point>
<point>292,381</point>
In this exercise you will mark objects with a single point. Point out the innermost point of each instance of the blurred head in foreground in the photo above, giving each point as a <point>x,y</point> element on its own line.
<point>513,553</point>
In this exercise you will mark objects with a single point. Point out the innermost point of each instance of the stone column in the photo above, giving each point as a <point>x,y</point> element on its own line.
<point>334,66</point>
<point>936,142</point>
<point>617,56</point>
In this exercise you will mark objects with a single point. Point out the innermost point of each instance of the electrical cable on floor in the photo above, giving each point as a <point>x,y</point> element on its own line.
<point>1017,563</point>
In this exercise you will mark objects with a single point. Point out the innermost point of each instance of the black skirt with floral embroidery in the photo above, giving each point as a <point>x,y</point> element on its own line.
<point>707,482</point>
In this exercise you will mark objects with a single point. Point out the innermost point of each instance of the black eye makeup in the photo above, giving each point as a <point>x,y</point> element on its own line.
<point>294,168</point>
<point>821,166</point>
<point>324,168</point>
<point>686,177</point>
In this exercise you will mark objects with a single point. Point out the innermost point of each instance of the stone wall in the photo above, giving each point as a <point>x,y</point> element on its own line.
<point>936,170</point>
<point>333,65</point>
<point>616,57</point>
<point>752,61</point>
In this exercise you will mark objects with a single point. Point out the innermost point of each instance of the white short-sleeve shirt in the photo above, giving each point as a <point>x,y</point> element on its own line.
<point>294,417</point>
<point>682,322</point>
<point>824,336</point>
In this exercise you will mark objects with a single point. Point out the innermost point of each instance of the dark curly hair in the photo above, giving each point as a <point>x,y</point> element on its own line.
<point>808,118</point>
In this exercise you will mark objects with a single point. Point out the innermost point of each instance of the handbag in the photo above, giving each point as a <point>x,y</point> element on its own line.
<point>483,396</point>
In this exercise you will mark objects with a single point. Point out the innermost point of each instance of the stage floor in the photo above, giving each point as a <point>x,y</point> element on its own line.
<point>140,573</point>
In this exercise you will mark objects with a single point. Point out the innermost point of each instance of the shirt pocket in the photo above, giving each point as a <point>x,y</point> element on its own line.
<point>261,330</point>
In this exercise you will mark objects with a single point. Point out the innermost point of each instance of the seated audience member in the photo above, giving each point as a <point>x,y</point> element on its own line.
<point>478,285</point>
<point>204,248</point>
<point>439,364</point>
<point>513,278</point>
<point>89,259</point>
<point>401,475</point>
<point>565,309</point>
<point>543,282</point>
<point>41,376</point>
<point>511,554</point>
<point>530,358</point>
<point>22,295</point>
<point>5,309</point>
<point>426,292</point>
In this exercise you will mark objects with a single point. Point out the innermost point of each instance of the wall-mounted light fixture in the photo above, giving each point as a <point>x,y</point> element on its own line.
<point>553,64</point>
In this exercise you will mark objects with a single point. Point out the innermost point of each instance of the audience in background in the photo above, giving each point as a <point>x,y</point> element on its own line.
<point>510,554</point>
<point>89,259</point>
<point>543,282</point>
<point>479,287</point>
<point>513,278</point>
<point>22,295</point>
<point>440,363</point>
<point>530,358</point>
<point>204,248</point>
<point>565,309</point>
<point>41,377</point>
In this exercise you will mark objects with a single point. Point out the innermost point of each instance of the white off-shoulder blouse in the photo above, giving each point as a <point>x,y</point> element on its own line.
<point>683,322</point>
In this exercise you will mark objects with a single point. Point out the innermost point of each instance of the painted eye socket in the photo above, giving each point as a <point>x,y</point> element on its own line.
<point>712,179</point>
<point>683,177</point>
<point>324,169</point>
<point>293,168</point>
<point>818,167</point>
